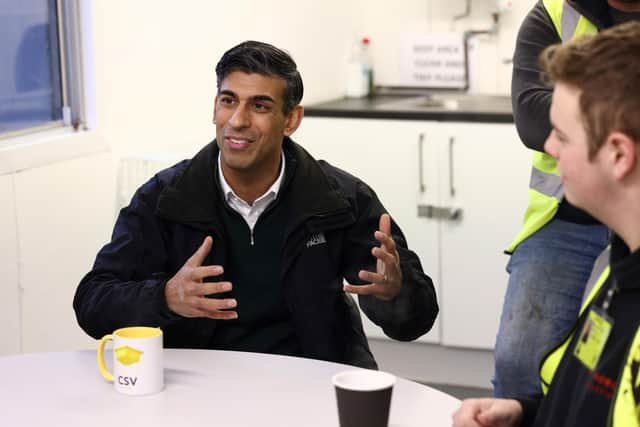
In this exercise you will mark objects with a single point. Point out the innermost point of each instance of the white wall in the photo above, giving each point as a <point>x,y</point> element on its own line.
<point>155,84</point>
<point>385,21</point>
<point>9,292</point>
<point>64,215</point>
<point>156,61</point>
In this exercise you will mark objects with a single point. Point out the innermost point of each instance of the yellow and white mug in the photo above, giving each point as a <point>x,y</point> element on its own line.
<point>137,360</point>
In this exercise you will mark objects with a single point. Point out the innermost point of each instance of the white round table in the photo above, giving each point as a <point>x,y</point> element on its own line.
<point>202,388</point>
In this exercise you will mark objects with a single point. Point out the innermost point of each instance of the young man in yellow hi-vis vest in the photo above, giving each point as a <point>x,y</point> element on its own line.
<point>592,377</point>
<point>553,255</point>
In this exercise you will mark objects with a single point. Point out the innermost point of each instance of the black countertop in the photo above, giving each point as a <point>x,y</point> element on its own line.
<point>437,106</point>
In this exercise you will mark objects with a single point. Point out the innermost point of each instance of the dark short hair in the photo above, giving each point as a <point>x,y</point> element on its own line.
<point>606,69</point>
<point>262,58</point>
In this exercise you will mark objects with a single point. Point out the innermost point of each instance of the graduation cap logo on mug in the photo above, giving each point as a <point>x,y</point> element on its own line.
<point>127,355</point>
<point>137,360</point>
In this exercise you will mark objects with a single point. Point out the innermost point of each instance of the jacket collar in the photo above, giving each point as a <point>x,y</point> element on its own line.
<point>596,11</point>
<point>625,265</point>
<point>193,196</point>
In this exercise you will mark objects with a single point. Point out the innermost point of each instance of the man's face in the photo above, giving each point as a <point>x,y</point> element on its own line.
<point>250,124</point>
<point>582,177</point>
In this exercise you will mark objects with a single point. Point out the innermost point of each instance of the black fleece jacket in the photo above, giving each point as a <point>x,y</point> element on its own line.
<point>169,217</point>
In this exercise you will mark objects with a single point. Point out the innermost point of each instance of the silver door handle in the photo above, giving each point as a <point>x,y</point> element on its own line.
<point>452,189</point>
<point>421,184</point>
<point>439,212</point>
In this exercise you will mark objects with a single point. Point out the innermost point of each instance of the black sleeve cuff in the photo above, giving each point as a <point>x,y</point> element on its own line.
<point>530,406</point>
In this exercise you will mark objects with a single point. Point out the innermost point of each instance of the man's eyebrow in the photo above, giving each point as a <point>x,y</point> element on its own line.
<point>267,98</point>
<point>263,98</point>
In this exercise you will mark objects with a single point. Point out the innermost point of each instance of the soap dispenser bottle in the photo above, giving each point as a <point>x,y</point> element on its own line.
<point>359,70</point>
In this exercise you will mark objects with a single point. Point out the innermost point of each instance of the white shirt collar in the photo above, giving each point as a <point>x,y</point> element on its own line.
<point>274,189</point>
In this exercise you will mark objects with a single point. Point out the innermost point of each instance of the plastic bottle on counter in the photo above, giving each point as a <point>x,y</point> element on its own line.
<point>360,70</point>
<point>368,64</point>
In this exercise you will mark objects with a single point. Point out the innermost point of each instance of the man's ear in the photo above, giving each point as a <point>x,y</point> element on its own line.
<point>293,120</point>
<point>623,154</point>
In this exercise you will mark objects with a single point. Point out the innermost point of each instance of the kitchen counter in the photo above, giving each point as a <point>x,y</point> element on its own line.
<point>437,106</point>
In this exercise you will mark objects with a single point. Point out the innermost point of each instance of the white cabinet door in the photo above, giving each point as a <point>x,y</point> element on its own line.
<point>486,174</point>
<point>386,155</point>
<point>477,172</point>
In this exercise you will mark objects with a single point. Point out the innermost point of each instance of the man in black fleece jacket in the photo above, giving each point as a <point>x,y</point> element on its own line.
<point>246,246</point>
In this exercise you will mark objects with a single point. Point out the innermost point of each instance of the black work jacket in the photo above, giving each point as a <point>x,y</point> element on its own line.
<point>169,217</point>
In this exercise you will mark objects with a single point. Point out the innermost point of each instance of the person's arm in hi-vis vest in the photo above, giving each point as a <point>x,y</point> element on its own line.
<point>531,99</point>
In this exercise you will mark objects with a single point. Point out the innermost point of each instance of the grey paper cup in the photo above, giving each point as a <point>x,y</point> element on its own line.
<point>363,397</point>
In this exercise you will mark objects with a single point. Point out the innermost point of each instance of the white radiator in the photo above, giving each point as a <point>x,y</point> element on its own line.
<point>133,171</point>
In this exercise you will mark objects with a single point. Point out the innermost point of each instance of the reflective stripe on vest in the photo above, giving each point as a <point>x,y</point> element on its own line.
<point>545,185</point>
<point>551,361</point>
<point>570,18</point>
<point>599,266</point>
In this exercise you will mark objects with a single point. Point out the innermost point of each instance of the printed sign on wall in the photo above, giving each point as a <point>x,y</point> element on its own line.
<point>434,60</point>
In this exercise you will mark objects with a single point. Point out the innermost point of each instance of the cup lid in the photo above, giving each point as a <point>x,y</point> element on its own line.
<point>363,380</point>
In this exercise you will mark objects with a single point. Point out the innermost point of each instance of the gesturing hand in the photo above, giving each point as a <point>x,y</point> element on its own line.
<point>185,292</point>
<point>386,282</point>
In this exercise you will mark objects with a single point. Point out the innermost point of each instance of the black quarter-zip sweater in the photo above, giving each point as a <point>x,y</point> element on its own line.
<point>327,236</point>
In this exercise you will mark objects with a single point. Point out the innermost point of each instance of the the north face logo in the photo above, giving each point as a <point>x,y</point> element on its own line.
<point>316,239</point>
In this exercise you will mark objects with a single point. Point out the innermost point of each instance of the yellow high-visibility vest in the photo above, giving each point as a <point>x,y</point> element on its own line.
<point>624,411</point>
<point>545,187</point>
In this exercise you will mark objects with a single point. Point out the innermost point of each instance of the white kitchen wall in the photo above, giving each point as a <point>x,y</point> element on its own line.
<point>384,22</point>
<point>10,333</point>
<point>64,215</point>
<point>156,60</point>
<point>155,84</point>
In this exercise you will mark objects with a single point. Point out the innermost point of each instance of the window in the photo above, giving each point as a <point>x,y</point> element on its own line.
<point>41,74</point>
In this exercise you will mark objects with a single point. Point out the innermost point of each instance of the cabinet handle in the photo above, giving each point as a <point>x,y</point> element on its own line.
<point>452,190</point>
<point>421,185</point>
<point>439,212</point>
